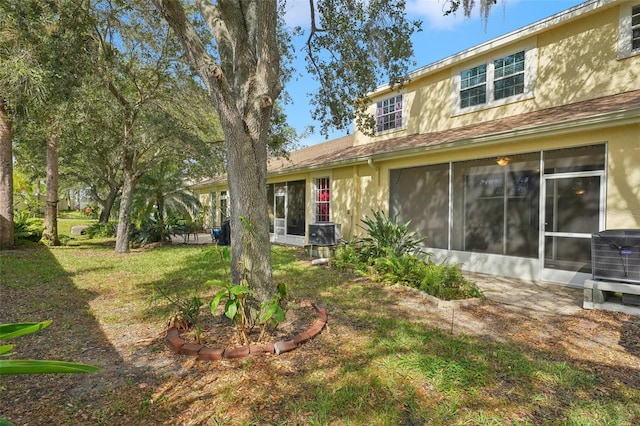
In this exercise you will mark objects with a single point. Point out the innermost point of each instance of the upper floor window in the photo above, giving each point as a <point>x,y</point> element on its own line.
<point>473,86</point>
<point>508,76</point>
<point>635,27</point>
<point>389,114</point>
<point>322,199</point>
<point>499,80</point>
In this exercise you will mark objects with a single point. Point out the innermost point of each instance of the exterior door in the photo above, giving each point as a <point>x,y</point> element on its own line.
<point>280,213</point>
<point>573,209</point>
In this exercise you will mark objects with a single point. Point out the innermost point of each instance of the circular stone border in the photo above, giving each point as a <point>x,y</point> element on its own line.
<point>180,346</point>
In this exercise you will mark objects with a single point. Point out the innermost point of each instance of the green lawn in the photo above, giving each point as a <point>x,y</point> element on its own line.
<point>376,364</point>
<point>70,219</point>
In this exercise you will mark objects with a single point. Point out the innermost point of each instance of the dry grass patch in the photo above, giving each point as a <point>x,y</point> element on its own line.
<point>384,358</point>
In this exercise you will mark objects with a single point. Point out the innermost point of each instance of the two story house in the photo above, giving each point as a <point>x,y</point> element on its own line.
<point>506,156</point>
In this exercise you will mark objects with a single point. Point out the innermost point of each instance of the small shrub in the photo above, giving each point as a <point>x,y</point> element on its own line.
<point>346,257</point>
<point>151,230</point>
<point>272,311</point>
<point>185,302</point>
<point>386,233</point>
<point>406,269</point>
<point>101,230</point>
<point>392,254</point>
<point>27,227</point>
<point>447,282</point>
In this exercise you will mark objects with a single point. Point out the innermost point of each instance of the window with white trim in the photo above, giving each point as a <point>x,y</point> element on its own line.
<point>389,114</point>
<point>322,200</point>
<point>508,76</point>
<point>473,86</point>
<point>498,79</point>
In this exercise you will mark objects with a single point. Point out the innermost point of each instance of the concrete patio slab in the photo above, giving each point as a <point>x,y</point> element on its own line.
<point>542,298</point>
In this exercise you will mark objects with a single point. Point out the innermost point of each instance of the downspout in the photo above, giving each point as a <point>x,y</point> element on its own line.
<point>376,168</point>
<point>377,180</point>
<point>356,209</point>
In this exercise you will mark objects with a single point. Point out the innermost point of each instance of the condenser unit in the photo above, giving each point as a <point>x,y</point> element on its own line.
<point>324,233</point>
<point>615,255</point>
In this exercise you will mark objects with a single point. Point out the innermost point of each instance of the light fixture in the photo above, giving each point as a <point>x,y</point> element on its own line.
<point>579,186</point>
<point>503,161</point>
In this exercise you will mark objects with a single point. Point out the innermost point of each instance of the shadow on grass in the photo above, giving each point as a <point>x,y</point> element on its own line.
<point>432,377</point>
<point>199,264</point>
<point>35,287</point>
<point>379,363</point>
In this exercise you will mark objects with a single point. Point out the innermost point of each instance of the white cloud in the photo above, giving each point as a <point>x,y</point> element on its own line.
<point>432,13</point>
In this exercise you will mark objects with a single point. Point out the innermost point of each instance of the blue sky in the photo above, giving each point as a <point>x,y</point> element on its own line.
<point>441,36</point>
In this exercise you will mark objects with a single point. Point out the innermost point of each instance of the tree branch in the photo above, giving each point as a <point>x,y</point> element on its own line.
<point>173,11</point>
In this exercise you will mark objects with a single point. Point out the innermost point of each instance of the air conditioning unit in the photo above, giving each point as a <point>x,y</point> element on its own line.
<point>615,255</point>
<point>324,233</point>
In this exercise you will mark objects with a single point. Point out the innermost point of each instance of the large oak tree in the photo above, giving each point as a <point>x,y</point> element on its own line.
<point>242,72</point>
<point>351,45</point>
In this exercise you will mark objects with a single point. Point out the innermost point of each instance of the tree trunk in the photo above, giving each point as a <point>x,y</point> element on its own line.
<point>107,205</point>
<point>50,234</point>
<point>250,245</point>
<point>126,202</point>
<point>242,88</point>
<point>160,213</point>
<point>6,180</point>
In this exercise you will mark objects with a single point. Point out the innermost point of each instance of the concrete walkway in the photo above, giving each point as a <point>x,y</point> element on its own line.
<point>542,298</point>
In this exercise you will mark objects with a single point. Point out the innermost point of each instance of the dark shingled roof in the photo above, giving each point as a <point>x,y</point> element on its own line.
<point>342,150</point>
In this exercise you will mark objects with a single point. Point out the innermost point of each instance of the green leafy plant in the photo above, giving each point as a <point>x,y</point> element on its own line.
<point>188,308</point>
<point>101,230</point>
<point>447,282</point>
<point>28,202</point>
<point>391,253</point>
<point>346,257</point>
<point>27,227</point>
<point>236,309</point>
<point>385,233</point>
<point>148,231</point>
<point>28,366</point>
<point>235,306</point>
<point>272,311</point>
<point>22,366</point>
<point>405,269</point>
<point>437,279</point>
